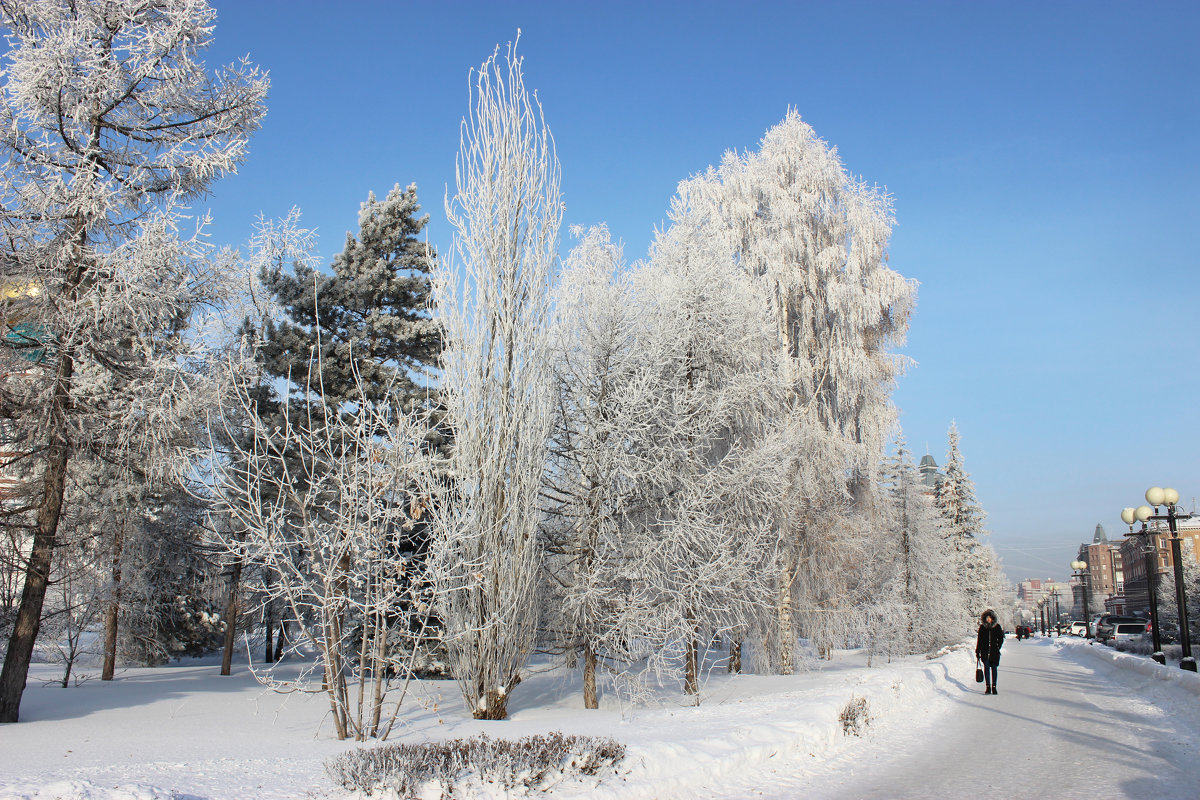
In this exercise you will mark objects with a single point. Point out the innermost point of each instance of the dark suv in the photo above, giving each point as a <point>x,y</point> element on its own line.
<point>1107,624</point>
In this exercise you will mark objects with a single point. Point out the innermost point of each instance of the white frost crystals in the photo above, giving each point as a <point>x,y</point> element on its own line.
<point>493,298</point>
<point>109,122</point>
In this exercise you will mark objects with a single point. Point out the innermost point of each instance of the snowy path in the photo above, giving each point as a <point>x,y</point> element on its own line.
<point>1060,727</point>
<point>1073,721</point>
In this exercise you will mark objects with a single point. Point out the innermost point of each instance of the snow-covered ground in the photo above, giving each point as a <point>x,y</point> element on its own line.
<point>186,733</point>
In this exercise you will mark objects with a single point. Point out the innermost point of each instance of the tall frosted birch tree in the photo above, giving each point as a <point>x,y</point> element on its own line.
<point>493,299</point>
<point>108,121</point>
<point>707,336</point>
<point>816,237</point>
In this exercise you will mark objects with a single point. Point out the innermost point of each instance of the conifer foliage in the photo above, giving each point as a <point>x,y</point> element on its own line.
<point>369,317</point>
<point>926,606</point>
<point>964,525</point>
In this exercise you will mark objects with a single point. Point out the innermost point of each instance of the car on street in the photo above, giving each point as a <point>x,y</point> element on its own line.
<point>1107,624</point>
<point>1128,631</point>
<point>1078,628</point>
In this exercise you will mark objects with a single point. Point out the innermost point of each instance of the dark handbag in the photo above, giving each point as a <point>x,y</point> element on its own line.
<point>978,672</point>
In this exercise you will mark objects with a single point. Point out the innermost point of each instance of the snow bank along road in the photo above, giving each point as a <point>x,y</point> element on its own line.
<point>1067,723</point>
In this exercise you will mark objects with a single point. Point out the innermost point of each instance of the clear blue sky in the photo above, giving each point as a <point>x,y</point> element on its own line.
<point>1043,158</point>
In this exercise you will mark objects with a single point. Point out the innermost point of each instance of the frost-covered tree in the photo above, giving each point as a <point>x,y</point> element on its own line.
<point>659,529</point>
<point>604,401</point>
<point>816,238</point>
<point>369,317</point>
<point>922,606</point>
<point>324,504</point>
<point>108,122</point>
<point>964,526</point>
<point>706,336</point>
<point>1168,602</point>
<point>493,299</point>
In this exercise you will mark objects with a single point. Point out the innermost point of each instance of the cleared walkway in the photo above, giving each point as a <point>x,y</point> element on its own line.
<point>1059,728</point>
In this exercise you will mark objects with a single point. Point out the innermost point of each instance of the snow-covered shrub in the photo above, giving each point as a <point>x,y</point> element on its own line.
<point>856,716</point>
<point>530,763</point>
<point>1145,647</point>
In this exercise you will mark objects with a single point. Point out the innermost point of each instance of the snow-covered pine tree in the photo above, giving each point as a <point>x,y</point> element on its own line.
<point>108,122</point>
<point>370,317</point>
<point>1168,602</point>
<point>493,299</point>
<point>816,237</point>
<point>922,608</point>
<point>964,526</point>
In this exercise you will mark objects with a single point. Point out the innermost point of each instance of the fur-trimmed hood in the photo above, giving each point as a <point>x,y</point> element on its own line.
<point>983,619</point>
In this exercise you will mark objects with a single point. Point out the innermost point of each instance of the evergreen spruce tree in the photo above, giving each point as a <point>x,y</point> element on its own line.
<point>369,315</point>
<point>964,518</point>
<point>926,600</point>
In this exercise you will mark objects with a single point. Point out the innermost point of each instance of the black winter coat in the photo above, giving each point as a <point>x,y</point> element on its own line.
<point>989,641</point>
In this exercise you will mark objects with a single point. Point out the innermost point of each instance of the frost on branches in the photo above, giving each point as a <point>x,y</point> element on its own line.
<point>323,504</point>
<point>923,606</point>
<point>594,493</point>
<point>493,299</point>
<point>973,562</point>
<point>816,239</point>
<point>108,123</point>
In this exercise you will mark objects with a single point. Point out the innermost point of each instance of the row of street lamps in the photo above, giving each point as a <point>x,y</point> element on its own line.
<point>1168,498</point>
<point>1157,496</point>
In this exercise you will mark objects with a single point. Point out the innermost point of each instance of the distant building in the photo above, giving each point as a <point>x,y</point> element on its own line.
<point>1105,576</point>
<point>931,477</point>
<point>1053,595</point>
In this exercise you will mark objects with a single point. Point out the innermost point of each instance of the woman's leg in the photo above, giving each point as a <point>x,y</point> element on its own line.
<point>989,673</point>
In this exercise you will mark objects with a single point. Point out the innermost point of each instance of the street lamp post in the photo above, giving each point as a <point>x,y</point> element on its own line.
<point>1080,568</point>
<point>1057,613</point>
<point>1150,554</point>
<point>1157,496</point>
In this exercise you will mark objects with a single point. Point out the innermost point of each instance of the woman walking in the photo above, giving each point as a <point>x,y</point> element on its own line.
<point>987,647</point>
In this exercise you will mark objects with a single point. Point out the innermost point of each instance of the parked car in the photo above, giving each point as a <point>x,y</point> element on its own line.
<point>1128,631</point>
<point>1106,625</point>
<point>1078,628</point>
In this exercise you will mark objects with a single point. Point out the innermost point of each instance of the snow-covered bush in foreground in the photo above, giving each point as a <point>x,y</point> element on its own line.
<point>533,763</point>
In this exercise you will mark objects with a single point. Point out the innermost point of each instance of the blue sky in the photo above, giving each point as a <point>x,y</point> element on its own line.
<point>1043,158</point>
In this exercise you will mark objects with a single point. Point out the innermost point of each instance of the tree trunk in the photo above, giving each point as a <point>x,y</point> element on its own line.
<point>495,706</point>
<point>784,610</point>
<point>691,680</point>
<point>37,576</point>
<point>231,616</point>
<point>268,619</point>
<point>112,614</point>
<point>281,638</point>
<point>735,656</point>
<point>590,698</point>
